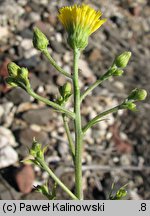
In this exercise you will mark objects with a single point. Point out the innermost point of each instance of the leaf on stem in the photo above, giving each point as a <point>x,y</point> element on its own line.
<point>44,189</point>
<point>95,122</point>
<point>120,193</point>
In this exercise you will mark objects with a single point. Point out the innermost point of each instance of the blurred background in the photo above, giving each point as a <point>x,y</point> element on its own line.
<point>116,150</point>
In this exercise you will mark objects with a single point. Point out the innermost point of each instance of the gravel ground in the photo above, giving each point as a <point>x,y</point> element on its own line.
<point>116,149</point>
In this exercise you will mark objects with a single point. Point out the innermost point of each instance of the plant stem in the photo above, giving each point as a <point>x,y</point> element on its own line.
<point>71,144</point>
<point>98,117</point>
<point>50,103</point>
<point>56,179</point>
<point>94,85</point>
<point>55,65</point>
<point>78,129</point>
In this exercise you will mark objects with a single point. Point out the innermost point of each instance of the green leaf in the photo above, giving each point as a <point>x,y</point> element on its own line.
<point>11,81</point>
<point>120,194</point>
<point>43,189</point>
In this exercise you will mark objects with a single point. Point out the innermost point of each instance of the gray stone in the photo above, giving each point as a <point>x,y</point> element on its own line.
<point>26,33</point>
<point>63,149</point>
<point>57,46</point>
<point>35,82</point>
<point>6,138</point>
<point>8,156</point>
<point>34,17</point>
<point>36,7</point>
<point>30,62</point>
<point>12,9</point>
<point>6,191</point>
<point>4,33</point>
<point>17,96</point>
<point>26,44</point>
<point>38,116</point>
<point>45,78</point>
<point>9,113</point>
<point>22,2</point>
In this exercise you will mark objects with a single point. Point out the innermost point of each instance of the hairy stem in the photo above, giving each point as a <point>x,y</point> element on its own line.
<point>78,129</point>
<point>56,179</point>
<point>50,103</point>
<point>55,65</point>
<point>71,144</point>
<point>98,117</point>
<point>94,85</point>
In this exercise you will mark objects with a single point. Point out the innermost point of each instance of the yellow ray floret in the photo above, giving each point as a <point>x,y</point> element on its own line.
<point>80,21</point>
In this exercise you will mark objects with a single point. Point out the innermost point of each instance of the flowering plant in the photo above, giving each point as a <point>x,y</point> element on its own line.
<point>80,21</point>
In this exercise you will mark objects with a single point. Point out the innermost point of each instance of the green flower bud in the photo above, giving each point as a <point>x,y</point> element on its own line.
<point>137,95</point>
<point>17,76</point>
<point>118,72</point>
<point>129,105</point>
<point>23,73</point>
<point>60,100</point>
<point>65,90</point>
<point>114,71</point>
<point>40,41</point>
<point>122,60</point>
<point>13,69</point>
<point>36,150</point>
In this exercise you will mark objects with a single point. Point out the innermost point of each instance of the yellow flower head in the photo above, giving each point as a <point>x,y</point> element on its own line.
<point>80,21</point>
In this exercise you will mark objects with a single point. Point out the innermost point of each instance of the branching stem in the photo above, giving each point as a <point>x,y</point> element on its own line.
<point>50,103</point>
<point>56,179</point>
<point>98,118</point>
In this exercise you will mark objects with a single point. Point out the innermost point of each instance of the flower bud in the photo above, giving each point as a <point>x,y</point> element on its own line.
<point>40,41</point>
<point>13,69</point>
<point>131,106</point>
<point>128,105</point>
<point>137,95</point>
<point>122,60</point>
<point>36,150</point>
<point>118,72</point>
<point>17,76</point>
<point>114,71</point>
<point>65,90</point>
<point>24,73</point>
<point>59,100</point>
